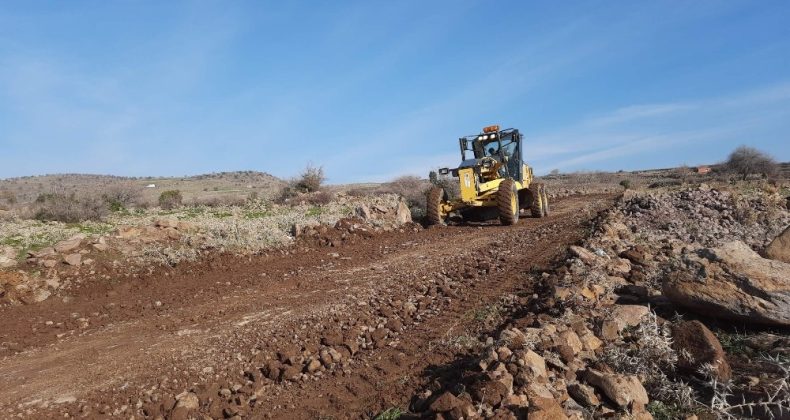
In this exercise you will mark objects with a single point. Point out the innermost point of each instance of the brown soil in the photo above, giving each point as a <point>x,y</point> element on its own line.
<point>130,346</point>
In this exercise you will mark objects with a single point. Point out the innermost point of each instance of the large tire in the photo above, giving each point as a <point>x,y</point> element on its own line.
<point>507,202</point>
<point>545,202</point>
<point>537,209</point>
<point>433,204</point>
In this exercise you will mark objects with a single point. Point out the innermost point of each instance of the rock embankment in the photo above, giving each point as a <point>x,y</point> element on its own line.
<point>605,335</point>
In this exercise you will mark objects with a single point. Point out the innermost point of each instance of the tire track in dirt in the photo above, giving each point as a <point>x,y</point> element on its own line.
<point>216,318</point>
<point>388,379</point>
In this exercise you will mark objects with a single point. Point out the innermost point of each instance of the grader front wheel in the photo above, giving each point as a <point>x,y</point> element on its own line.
<point>433,206</point>
<point>507,202</point>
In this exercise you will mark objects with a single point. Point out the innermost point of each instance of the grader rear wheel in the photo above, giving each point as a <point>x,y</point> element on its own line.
<point>507,202</point>
<point>433,206</point>
<point>538,209</point>
<point>545,202</point>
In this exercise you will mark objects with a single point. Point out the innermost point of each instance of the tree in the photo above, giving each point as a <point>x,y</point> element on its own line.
<point>433,177</point>
<point>122,196</point>
<point>311,179</point>
<point>746,161</point>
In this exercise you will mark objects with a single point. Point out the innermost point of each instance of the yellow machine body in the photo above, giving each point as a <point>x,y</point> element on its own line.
<point>480,178</point>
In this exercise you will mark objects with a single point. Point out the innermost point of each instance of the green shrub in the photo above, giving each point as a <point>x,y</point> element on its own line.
<point>170,199</point>
<point>625,184</point>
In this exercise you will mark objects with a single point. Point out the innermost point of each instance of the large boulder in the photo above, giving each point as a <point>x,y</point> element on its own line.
<point>732,282</point>
<point>697,346</point>
<point>188,400</point>
<point>402,213</point>
<point>74,259</point>
<point>542,404</point>
<point>444,403</point>
<point>363,211</point>
<point>588,257</point>
<point>624,390</point>
<point>621,317</point>
<point>7,257</point>
<point>779,248</point>
<point>69,244</point>
<point>43,253</point>
<point>166,222</point>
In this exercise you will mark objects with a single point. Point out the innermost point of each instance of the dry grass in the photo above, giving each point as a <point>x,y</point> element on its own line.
<point>774,403</point>
<point>70,208</point>
<point>220,201</point>
<point>252,227</point>
<point>653,359</point>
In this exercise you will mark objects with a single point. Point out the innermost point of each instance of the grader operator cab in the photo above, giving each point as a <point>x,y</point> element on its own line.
<point>493,180</point>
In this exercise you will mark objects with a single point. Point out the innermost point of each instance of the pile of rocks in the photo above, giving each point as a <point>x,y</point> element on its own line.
<point>26,288</point>
<point>69,252</point>
<point>705,216</point>
<point>367,221</point>
<point>72,251</point>
<point>346,230</point>
<point>593,346</point>
<point>384,217</point>
<point>547,372</point>
<point>70,255</point>
<point>162,229</point>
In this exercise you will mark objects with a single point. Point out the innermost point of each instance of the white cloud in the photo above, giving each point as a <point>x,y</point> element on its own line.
<point>635,112</point>
<point>658,128</point>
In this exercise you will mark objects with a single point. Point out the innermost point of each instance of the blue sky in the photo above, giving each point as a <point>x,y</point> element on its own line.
<point>372,89</point>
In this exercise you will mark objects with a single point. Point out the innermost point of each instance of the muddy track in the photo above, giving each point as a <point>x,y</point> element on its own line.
<point>130,346</point>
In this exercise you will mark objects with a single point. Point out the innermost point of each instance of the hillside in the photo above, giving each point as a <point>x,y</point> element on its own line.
<point>237,184</point>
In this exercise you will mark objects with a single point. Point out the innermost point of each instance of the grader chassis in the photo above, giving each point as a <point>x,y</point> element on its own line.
<point>493,180</point>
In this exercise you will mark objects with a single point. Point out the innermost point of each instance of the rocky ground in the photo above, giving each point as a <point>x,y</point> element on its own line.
<point>348,330</point>
<point>658,303</point>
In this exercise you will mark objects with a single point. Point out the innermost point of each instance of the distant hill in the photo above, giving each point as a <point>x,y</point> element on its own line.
<point>221,184</point>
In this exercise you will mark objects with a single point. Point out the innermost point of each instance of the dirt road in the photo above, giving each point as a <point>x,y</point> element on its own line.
<point>308,332</point>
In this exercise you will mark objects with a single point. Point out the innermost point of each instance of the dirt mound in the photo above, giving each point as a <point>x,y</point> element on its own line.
<point>346,231</point>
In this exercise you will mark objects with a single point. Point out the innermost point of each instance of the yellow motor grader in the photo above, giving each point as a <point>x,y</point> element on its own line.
<point>494,181</point>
